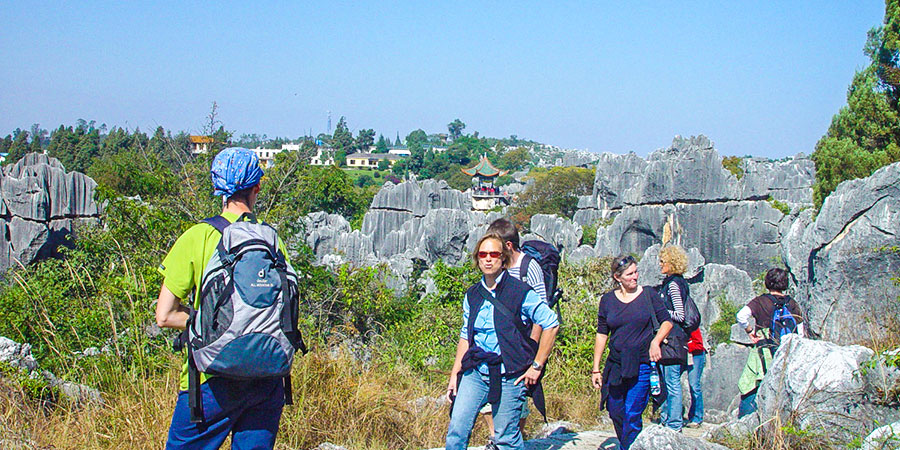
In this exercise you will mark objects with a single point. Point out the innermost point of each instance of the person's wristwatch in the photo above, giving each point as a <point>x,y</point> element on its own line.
<point>536,366</point>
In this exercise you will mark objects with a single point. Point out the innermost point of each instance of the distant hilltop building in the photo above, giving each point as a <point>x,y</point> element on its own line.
<point>485,195</point>
<point>200,144</point>
<point>371,160</point>
<point>267,155</point>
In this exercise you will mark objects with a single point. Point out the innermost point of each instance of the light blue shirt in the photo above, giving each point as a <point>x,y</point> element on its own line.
<point>534,310</point>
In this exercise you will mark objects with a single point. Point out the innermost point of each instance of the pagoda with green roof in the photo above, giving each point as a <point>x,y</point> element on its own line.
<point>484,194</point>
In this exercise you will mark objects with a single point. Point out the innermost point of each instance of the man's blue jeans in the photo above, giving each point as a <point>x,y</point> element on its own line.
<point>748,403</point>
<point>626,403</point>
<point>471,395</point>
<point>672,409</point>
<point>695,374</point>
<point>249,410</point>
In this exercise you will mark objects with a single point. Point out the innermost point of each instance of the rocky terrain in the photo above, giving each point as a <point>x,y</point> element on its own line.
<point>842,260</point>
<point>39,203</point>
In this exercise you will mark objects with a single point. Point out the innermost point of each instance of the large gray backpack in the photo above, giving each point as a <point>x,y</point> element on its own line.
<point>246,325</point>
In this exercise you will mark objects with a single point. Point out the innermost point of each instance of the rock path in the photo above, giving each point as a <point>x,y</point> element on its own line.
<point>586,440</point>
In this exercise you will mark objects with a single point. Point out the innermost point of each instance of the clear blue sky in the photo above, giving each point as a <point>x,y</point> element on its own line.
<point>760,78</point>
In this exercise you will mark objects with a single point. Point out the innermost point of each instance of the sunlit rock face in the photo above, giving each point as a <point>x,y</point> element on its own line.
<point>40,204</point>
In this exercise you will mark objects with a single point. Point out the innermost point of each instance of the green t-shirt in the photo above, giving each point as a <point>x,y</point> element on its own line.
<point>183,267</point>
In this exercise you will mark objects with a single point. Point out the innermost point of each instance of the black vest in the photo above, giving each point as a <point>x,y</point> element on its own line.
<point>517,349</point>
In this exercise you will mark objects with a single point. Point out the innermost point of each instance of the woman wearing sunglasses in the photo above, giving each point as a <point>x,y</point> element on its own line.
<point>497,362</point>
<point>624,321</point>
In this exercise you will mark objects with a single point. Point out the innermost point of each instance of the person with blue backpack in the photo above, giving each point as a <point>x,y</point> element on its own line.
<point>228,284</point>
<point>774,315</point>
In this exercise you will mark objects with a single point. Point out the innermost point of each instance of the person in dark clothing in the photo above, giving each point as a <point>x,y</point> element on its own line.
<point>496,359</point>
<point>625,324</point>
<point>673,263</point>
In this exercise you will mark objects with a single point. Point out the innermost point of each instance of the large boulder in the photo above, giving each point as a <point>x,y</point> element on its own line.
<point>788,180</point>
<point>39,201</point>
<point>564,234</point>
<point>656,437</point>
<point>322,231</point>
<point>720,377</point>
<point>395,204</point>
<point>818,387</point>
<point>883,438</point>
<point>844,262</point>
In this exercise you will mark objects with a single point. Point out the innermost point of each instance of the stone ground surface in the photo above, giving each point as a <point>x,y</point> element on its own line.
<point>586,440</point>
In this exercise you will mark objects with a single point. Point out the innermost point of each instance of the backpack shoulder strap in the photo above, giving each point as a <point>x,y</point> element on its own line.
<point>523,268</point>
<point>652,315</point>
<point>217,222</point>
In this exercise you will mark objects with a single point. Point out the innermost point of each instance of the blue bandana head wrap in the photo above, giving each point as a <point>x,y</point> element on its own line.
<point>233,169</point>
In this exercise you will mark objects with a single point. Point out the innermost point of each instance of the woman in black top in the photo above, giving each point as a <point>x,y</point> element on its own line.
<point>624,322</point>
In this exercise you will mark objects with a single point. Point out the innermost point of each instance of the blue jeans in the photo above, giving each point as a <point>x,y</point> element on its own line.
<point>626,403</point>
<point>249,410</point>
<point>471,395</point>
<point>748,403</point>
<point>695,373</point>
<point>672,409</point>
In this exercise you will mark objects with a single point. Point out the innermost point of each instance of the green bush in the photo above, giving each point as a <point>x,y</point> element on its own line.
<point>733,165</point>
<point>779,205</point>
<point>720,330</point>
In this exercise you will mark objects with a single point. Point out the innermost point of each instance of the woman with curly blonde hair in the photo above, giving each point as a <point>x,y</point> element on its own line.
<point>674,290</point>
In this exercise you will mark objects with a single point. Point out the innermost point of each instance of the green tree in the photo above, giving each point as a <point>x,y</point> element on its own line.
<point>342,140</point>
<point>382,145</point>
<point>515,159</point>
<point>6,143</point>
<point>364,139</point>
<point>865,134</point>
<point>38,135</point>
<point>397,142</point>
<point>384,164</point>
<point>554,191</point>
<point>416,159</point>
<point>416,136</point>
<point>455,128</point>
<point>18,147</point>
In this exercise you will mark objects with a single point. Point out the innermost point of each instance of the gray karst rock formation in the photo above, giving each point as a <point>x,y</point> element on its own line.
<point>395,204</point>
<point>727,219</point>
<point>843,262</point>
<point>824,388</point>
<point>18,356</point>
<point>656,437</point>
<point>40,203</point>
<point>559,231</point>
<point>819,383</point>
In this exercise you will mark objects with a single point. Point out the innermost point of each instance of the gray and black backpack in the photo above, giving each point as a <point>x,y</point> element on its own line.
<point>246,325</point>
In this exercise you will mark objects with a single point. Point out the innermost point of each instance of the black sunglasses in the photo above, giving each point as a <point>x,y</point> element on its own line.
<point>625,261</point>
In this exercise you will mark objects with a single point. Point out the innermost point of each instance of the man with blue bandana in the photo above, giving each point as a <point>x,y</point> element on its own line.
<point>248,410</point>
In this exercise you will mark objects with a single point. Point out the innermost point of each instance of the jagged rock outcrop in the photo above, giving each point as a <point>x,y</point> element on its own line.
<point>844,261</point>
<point>40,203</point>
<point>395,204</point>
<point>883,438</point>
<point>719,381</point>
<point>789,180</point>
<point>656,437</point>
<point>685,185</point>
<point>19,356</point>
<point>323,231</point>
<point>564,234</point>
<point>818,387</point>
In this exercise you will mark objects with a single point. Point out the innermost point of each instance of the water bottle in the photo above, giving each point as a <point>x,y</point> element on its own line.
<point>654,379</point>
